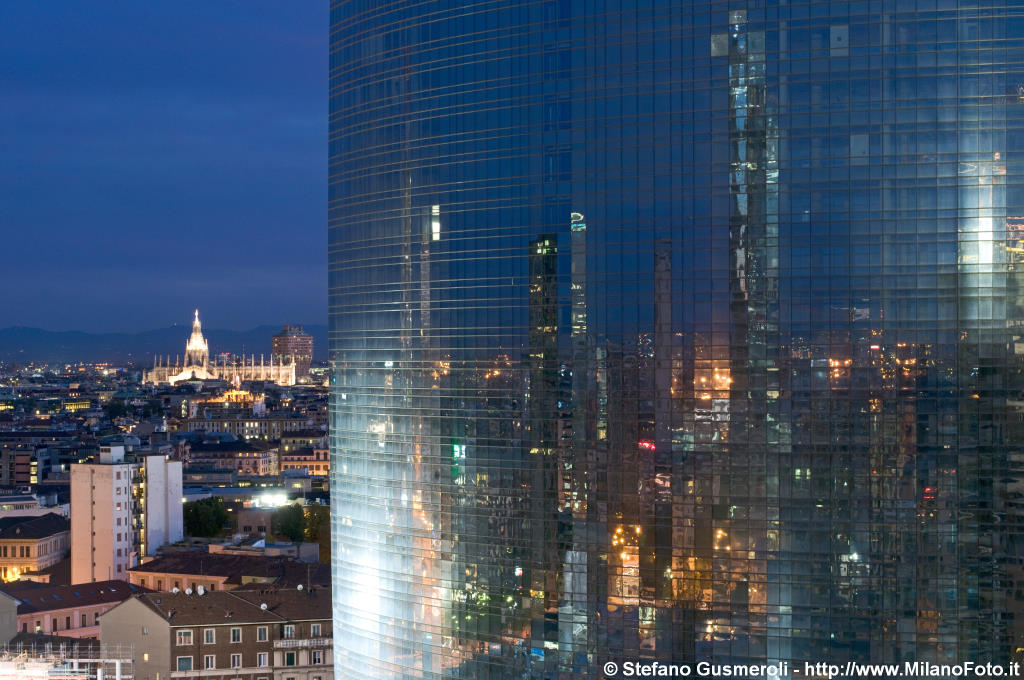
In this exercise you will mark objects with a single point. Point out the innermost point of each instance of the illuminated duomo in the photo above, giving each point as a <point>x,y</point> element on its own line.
<point>197,365</point>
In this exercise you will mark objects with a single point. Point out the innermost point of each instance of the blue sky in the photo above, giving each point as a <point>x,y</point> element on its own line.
<point>159,156</point>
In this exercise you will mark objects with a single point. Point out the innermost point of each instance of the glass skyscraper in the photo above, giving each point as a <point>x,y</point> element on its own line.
<point>675,331</point>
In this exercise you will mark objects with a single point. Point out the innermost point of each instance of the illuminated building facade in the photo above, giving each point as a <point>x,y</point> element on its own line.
<point>197,365</point>
<point>293,345</point>
<point>30,544</point>
<point>680,331</point>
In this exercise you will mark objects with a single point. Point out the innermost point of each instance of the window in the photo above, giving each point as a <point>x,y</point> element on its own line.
<point>53,624</point>
<point>145,630</point>
<point>289,632</point>
<point>315,630</point>
<point>318,656</point>
<point>159,584</point>
<point>289,658</point>
<point>209,636</point>
<point>261,659</point>
<point>145,656</point>
<point>184,663</point>
<point>261,634</point>
<point>236,660</point>
<point>236,634</point>
<point>184,637</point>
<point>67,623</point>
<point>209,661</point>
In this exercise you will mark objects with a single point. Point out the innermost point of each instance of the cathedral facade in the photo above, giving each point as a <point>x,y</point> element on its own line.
<point>197,365</point>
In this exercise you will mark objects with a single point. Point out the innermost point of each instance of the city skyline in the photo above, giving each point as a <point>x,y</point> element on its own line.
<point>164,148</point>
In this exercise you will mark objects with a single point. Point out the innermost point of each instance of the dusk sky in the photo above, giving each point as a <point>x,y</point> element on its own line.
<point>160,156</point>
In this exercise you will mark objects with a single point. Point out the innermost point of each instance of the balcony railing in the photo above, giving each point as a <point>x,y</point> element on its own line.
<point>309,642</point>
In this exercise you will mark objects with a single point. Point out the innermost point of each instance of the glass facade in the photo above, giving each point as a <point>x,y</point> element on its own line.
<point>676,331</point>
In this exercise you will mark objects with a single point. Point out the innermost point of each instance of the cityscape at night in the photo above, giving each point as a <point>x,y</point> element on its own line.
<point>534,339</point>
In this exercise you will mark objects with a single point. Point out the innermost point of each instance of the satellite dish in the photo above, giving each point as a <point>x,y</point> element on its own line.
<point>175,589</point>
<point>300,586</point>
<point>188,591</point>
<point>263,606</point>
<point>200,590</point>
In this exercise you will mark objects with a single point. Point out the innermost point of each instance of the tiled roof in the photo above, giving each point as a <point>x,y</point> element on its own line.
<point>235,606</point>
<point>40,598</point>
<point>283,570</point>
<point>32,527</point>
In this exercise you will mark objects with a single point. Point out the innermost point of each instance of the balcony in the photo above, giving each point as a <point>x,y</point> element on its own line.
<point>302,644</point>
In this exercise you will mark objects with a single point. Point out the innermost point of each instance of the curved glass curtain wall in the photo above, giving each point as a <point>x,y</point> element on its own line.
<point>675,331</point>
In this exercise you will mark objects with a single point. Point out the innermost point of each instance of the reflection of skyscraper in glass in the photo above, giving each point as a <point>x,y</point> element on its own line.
<point>716,355</point>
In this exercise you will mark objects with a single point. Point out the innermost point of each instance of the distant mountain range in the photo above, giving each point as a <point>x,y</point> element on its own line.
<point>20,344</point>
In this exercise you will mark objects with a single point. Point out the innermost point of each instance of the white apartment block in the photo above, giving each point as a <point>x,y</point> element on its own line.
<point>121,511</point>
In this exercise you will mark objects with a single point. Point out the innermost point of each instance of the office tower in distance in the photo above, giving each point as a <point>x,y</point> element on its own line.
<point>293,345</point>
<point>122,508</point>
<point>674,331</point>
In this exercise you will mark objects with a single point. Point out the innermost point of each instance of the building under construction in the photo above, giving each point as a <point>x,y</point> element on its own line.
<point>71,660</point>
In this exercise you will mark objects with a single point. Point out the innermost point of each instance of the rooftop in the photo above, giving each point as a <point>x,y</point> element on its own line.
<point>280,570</point>
<point>240,606</point>
<point>39,597</point>
<point>19,527</point>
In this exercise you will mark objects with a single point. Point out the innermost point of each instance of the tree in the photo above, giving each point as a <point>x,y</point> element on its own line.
<point>205,517</point>
<point>116,408</point>
<point>153,407</point>
<point>318,529</point>
<point>289,521</point>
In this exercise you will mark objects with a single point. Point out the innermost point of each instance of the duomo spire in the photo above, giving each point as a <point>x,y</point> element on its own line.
<point>197,352</point>
<point>238,369</point>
